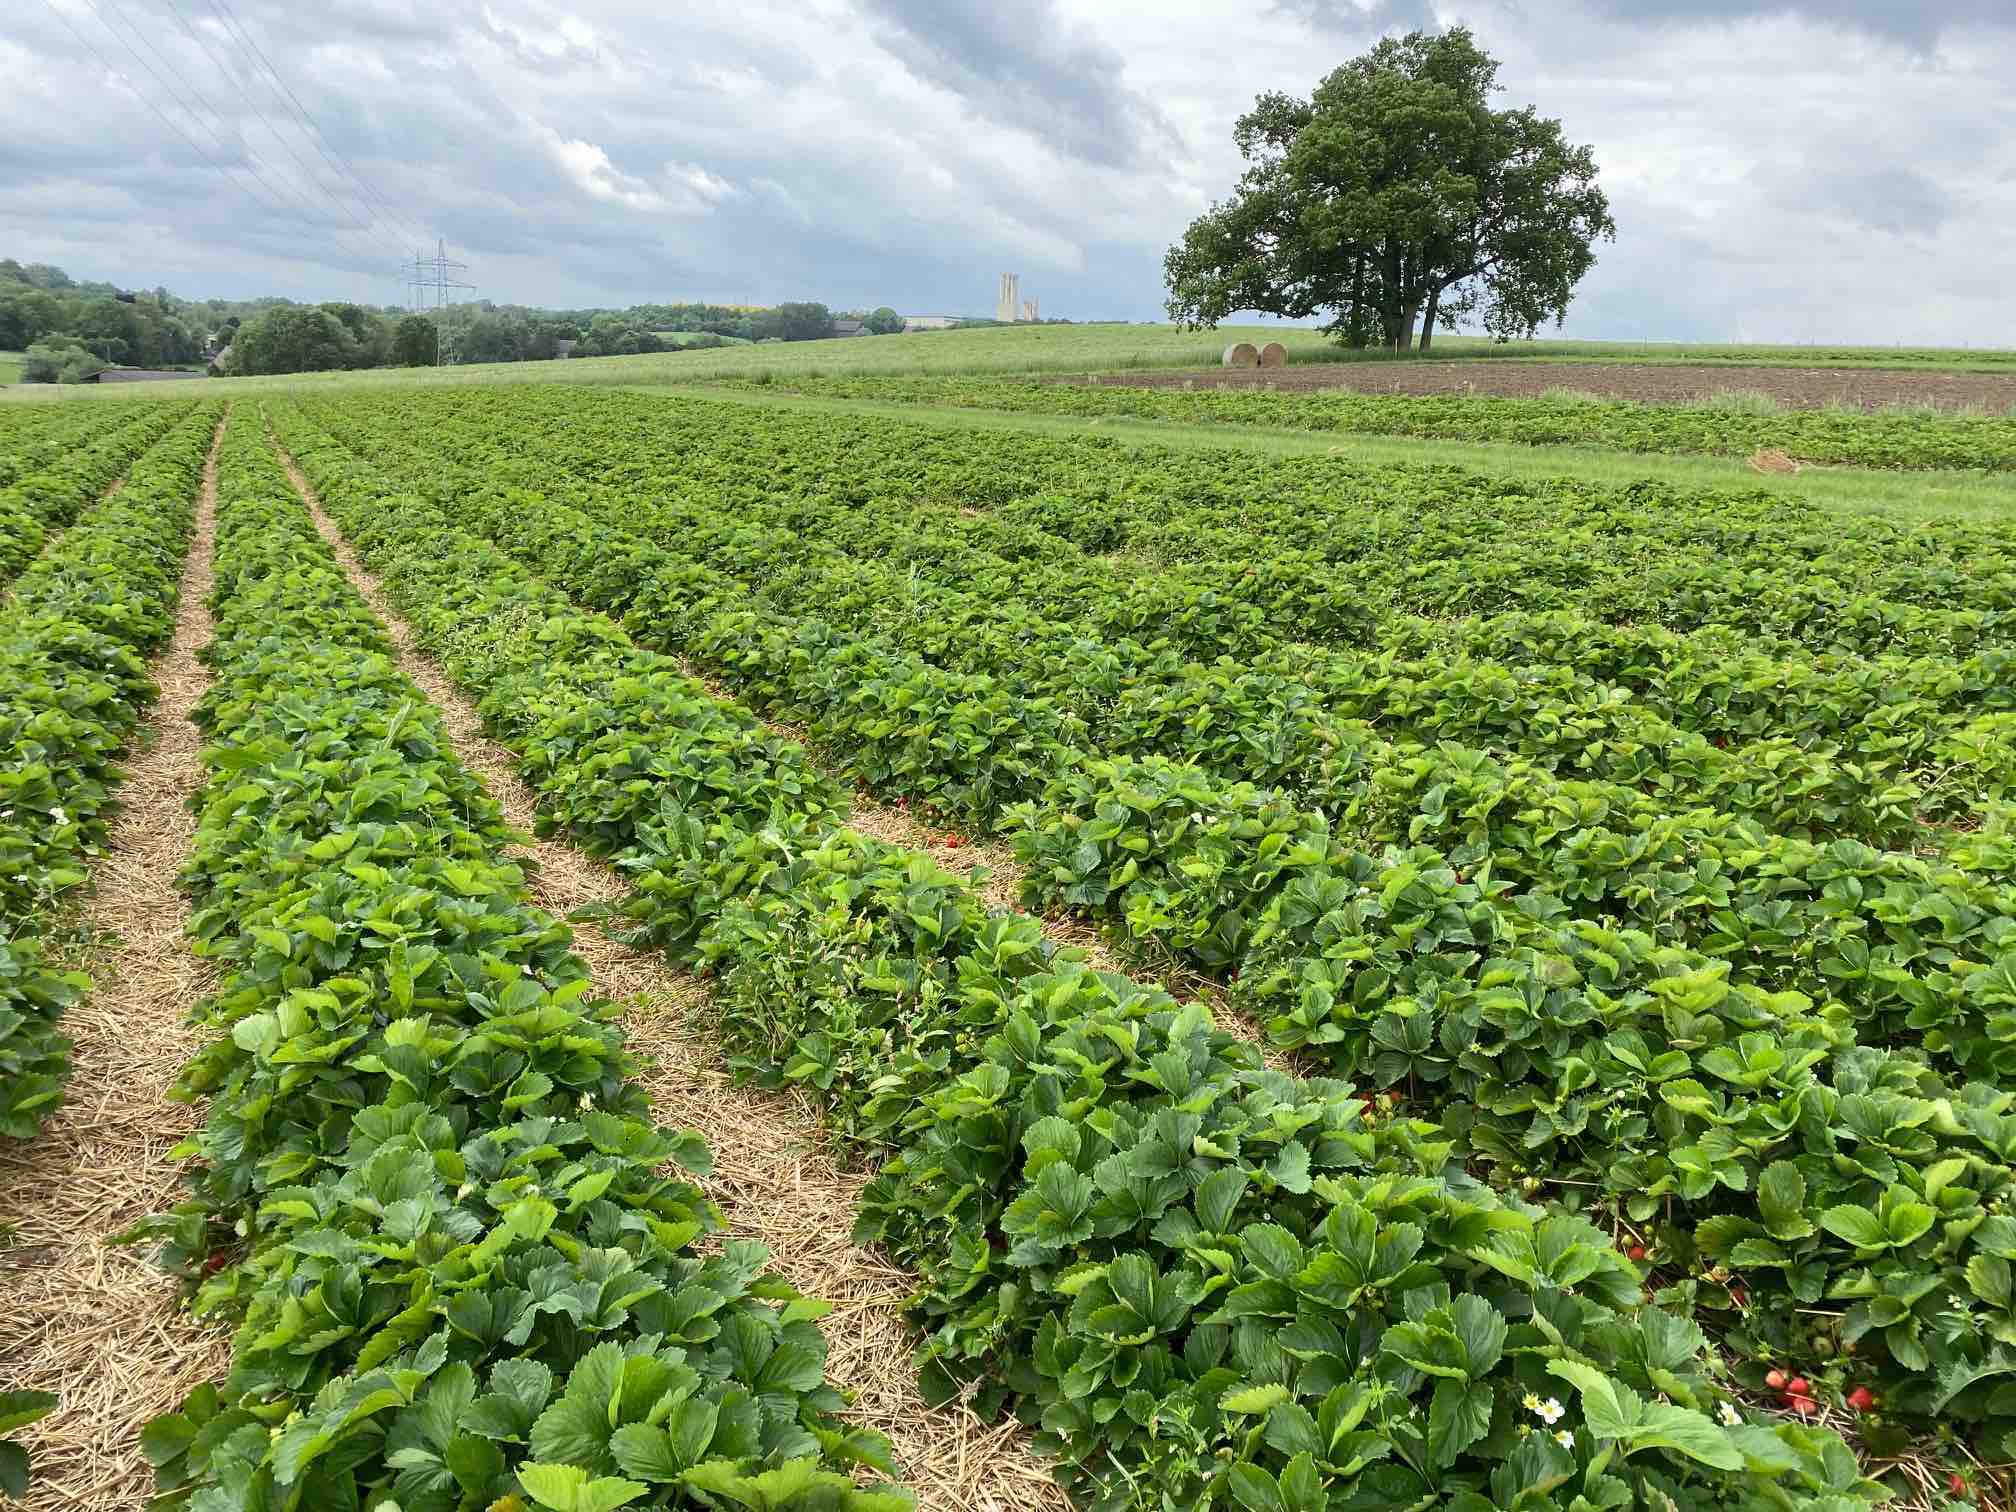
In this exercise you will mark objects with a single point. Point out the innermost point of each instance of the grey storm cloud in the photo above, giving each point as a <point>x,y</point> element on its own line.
<point>1896,199</point>
<point>1027,65</point>
<point>1847,172</point>
<point>1918,23</point>
<point>1352,19</point>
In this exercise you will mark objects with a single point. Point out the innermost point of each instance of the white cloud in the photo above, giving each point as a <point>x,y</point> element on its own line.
<point>706,187</point>
<point>590,170</point>
<point>567,40</point>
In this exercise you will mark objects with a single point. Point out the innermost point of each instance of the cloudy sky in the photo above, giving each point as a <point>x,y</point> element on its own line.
<point>1817,170</point>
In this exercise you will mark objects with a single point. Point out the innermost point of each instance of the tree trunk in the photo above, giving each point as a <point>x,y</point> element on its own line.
<point>1428,325</point>
<point>1390,307</point>
<point>1408,314</point>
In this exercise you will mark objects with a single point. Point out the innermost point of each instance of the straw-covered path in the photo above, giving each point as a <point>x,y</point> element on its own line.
<point>773,1172</point>
<point>93,1322</point>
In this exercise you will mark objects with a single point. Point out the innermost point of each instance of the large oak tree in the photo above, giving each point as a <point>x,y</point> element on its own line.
<point>1397,199</point>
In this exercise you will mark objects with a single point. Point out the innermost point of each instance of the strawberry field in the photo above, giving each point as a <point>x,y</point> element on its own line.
<point>1924,438</point>
<point>1477,994</point>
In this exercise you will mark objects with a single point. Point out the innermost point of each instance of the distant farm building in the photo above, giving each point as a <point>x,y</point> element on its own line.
<point>137,375</point>
<point>563,348</point>
<point>850,328</point>
<point>929,322</point>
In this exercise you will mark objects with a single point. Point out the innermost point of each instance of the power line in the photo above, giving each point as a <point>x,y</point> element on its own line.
<point>252,162</point>
<point>141,95</point>
<point>250,72</point>
<point>316,135</point>
<point>224,62</point>
<point>223,170</point>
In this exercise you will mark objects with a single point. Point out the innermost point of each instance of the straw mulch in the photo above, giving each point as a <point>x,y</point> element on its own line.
<point>774,1173</point>
<point>98,1325</point>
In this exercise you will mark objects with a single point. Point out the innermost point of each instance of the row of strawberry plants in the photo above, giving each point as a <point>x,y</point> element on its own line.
<point>1281,719</point>
<point>50,497</point>
<point>1340,549</point>
<point>1207,1282</point>
<point>427,1188</point>
<point>36,438</point>
<point>1896,711</point>
<point>1861,440</point>
<point>1921,951</point>
<point>74,641</point>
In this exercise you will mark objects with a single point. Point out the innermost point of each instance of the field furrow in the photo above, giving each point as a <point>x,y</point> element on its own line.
<point>772,1170</point>
<point>427,1189</point>
<point>81,1317</point>
<point>75,634</point>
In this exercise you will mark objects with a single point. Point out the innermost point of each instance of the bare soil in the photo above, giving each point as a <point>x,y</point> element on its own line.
<point>1794,388</point>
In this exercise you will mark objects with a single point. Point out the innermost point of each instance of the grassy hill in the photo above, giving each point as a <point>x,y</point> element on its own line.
<point>1111,347</point>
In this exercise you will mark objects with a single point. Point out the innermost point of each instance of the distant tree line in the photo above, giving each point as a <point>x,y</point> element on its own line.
<point>69,330</point>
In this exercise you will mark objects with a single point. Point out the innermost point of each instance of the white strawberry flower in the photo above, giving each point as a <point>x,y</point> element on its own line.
<point>1564,1438</point>
<point>1731,1418</point>
<point>1550,1411</point>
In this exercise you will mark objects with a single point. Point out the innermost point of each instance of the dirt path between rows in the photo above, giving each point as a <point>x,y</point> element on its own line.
<point>774,1173</point>
<point>95,1324</point>
<point>1647,383</point>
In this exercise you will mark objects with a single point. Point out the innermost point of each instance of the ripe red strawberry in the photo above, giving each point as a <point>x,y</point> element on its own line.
<point>1861,1399</point>
<point>1956,1483</point>
<point>1636,1252</point>
<point>1804,1406</point>
<point>1799,1386</point>
<point>1775,1379</point>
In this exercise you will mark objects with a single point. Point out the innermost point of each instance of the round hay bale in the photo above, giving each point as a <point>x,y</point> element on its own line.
<point>1273,355</point>
<point>1772,460</point>
<point>1241,354</point>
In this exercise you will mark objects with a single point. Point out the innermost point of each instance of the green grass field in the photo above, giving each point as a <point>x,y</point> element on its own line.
<point>10,367</point>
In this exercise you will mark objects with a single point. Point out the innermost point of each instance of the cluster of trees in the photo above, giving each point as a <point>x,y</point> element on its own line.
<point>795,321</point>
<point>1396,198</point>
<point>70,329</point>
